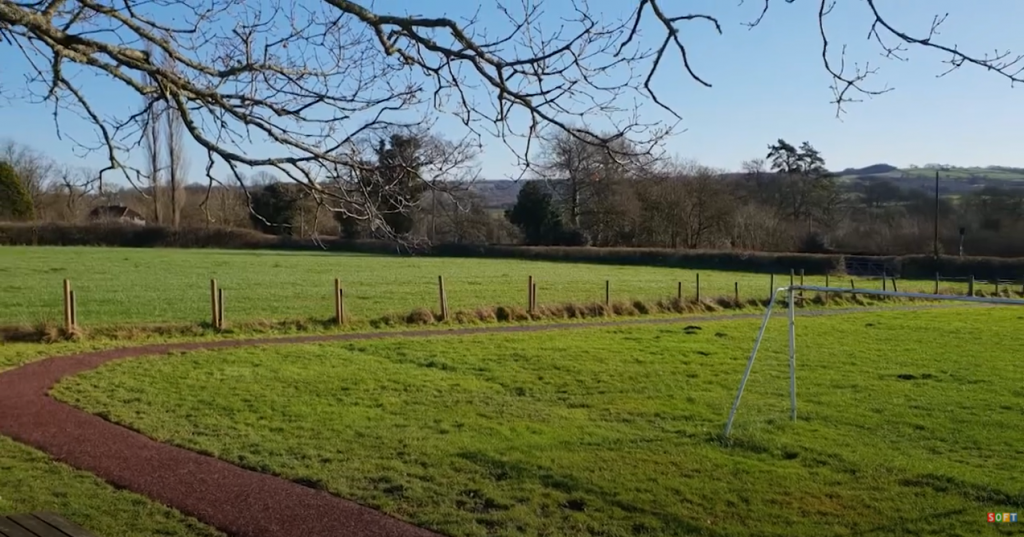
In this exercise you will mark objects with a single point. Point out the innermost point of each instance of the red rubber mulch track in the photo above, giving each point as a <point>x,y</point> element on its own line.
<point>236,501</point>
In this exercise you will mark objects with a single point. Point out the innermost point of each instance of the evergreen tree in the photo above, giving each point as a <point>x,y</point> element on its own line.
<point>535,215</point>
<point>276,205</point>
<point>15,201</point>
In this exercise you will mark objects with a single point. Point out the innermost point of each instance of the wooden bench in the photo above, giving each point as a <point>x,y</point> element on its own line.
<point>41,524</point>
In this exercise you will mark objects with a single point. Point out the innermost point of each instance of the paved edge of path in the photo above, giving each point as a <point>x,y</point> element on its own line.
<point>236,501</point>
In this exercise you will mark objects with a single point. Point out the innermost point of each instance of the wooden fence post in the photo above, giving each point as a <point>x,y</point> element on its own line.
<point>698,287</point>
<point>970,285</point>
<point>67,306</point>
<point>443,297</point>
<point>533,307</point>
<point>214,307</point>
<point>679,291</point>
<point>74,309</point>
<point>529,294</point>
<point>771,285</point>
<point>607,292</point>
<point>220,308</point>
<point>894,287</point>
<point>885,278</point>
<point>936,283</point>
<point>827,294</point>
<point>736,291</point>
<point>339,310</point>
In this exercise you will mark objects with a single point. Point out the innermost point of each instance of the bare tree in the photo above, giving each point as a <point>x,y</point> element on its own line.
<point>76,184</point>
<point>177,163</point>
<point>306,79</point>
<point>569,164</point>
<point>460,217</point>
<point>707,208</point>
<point>687,204</point>
<point>589,183</point>
<point>399,168</point>
<point>152,146</point>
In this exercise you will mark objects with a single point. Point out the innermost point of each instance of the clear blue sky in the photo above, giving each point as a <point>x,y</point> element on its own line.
<point>767,83</point>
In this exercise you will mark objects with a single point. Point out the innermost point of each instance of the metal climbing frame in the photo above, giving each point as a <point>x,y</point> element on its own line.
<point>790,292</point>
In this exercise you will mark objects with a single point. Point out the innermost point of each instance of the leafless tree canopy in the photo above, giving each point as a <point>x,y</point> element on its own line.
<point>314,78</point>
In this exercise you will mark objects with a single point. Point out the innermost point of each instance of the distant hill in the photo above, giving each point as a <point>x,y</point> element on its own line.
<point>869,170</point>
<point>498,194</point>
<point>952,179</point>
<point>501,194</point>
<point>975,174</point>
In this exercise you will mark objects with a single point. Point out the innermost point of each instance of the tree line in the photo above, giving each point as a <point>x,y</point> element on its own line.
<point>783,201</point>
<point>579,194</point>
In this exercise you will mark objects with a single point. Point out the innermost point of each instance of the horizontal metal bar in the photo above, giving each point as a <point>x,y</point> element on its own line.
<point>925,296</point>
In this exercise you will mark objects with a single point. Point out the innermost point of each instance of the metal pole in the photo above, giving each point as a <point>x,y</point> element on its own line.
<point>750,364</point>
<point>792,356</point>
<point>936,242</point>
<point>433,211</point>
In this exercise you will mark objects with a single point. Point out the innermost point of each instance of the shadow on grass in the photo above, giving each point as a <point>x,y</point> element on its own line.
<point>578,493</point>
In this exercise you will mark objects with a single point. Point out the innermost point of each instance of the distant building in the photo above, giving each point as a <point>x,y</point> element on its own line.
<point>116,213</point>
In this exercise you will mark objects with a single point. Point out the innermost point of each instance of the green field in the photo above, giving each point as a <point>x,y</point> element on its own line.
<point>964,173</point>
<point>907,425</point>
<point>956,174</point>
<point>29,482</point>
<point>125,286</point>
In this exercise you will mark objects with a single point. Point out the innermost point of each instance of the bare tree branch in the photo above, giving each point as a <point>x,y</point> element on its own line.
<point>308,80</point>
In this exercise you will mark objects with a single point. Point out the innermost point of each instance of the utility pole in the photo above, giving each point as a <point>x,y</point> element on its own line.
<point>433,211</point>
<point>936,239</point>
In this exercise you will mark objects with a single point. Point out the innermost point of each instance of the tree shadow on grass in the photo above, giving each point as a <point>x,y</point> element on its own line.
<point>502,470</point>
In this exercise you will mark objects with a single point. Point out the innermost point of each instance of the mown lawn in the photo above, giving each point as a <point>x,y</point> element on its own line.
<point>30,481</point>
<point>908,425</point>
<point>123,286</point>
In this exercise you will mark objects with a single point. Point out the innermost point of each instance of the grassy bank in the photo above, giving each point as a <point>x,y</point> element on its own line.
<point>614,432</point>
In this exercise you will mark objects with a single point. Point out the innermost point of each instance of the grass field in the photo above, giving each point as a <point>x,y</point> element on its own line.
<point>30,481</point>
<point>123,286</point>
<point>957,174</point>
<point>907,425</point>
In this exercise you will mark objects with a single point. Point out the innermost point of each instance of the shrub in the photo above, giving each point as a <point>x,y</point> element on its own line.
<point>15,201</point>
<point>985,268</point>
<point>623,309</point>
<point>420,316</point>
<point>815,242</point>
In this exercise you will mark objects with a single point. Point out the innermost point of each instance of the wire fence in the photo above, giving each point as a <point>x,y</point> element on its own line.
<point>444,295</point>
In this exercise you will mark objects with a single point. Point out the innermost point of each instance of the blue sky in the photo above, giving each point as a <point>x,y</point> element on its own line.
<point>768,83</point>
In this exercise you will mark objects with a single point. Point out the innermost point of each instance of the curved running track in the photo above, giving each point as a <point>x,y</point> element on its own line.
<point>237,501</point>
